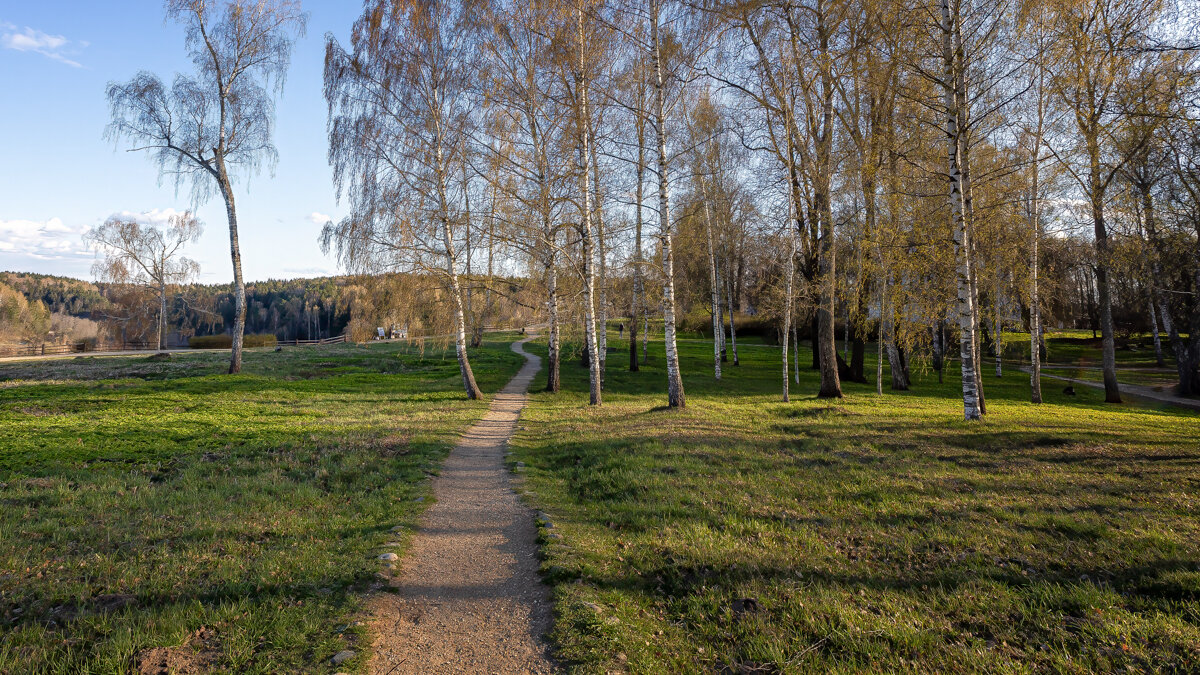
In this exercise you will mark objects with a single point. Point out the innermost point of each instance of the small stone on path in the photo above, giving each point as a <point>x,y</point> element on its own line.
<point>341,657</point>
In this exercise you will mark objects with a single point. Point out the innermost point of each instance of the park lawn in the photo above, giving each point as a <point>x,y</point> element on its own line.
<point>163,512</point>
<point>869,534</point>
<point>1078,347</point>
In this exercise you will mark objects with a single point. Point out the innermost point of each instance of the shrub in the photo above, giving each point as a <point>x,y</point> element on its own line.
<point>260,340</point>
<point>699,322</point>
<point>210,341</point>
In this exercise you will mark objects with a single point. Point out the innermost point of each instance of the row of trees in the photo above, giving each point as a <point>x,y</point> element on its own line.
<point>583,152</point>
<point>934,149</point>
<point>21,319</point>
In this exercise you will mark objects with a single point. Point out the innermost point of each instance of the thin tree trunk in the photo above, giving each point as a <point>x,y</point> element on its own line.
<point>1158,350</point>
<point>602,254</point>
<point>715,292</point>
<point>1156,298</point>
<point>162,317</point>
<point>583,124</point>
<point>721,320</point>
<point>637,244</point>
<point>460,332</point>
<point>554,355</point>
<point>1035,306</point>
<point>732,329</point>
<point>998,343</point>
<point>965,185</point>
<point>939,350</point>
<point>789,273</point>
<point>472,318</point>
<point>1112,390</point>
<point>645,332</point>
<point>895,361</point>
<point>962,244</point>
<point>675,394</point>
<point>491,270</point>
<point>796,343</point>
<point>550,237</point>
<point>846,333</point>
<point>1034,211</point>
<point>879,347</point>
<point>239,284</point>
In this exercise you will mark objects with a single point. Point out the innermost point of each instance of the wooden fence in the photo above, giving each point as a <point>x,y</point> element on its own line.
<point>335,340</point>
<point>72,348</point>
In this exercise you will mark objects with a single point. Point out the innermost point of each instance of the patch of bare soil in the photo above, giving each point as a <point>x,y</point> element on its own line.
<point>468,598</point>
<point>199,654</point>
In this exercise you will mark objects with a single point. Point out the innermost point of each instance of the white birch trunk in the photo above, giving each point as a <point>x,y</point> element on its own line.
<point>675,394</point>
<point>583,128</point>
<point>602,254</point>
<point>966,309</point>
<point>714,285</point>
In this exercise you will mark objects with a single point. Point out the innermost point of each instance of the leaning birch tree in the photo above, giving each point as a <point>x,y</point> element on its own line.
<point>207,127</point>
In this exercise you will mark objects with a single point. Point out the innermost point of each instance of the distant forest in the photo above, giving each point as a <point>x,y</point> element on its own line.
<point>45,308</point>
<point>304,309</point>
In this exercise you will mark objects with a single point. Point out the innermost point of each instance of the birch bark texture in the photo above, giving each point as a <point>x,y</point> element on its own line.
<point>951,62</point>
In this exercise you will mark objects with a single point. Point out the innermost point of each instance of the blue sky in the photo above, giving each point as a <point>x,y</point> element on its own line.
<point>59,177</point>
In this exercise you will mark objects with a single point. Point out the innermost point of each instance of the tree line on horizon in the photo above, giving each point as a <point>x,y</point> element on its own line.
<point>924,175</point>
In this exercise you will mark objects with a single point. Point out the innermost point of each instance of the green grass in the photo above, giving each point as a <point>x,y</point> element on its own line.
<point>236,519</point>
<point>869,534</point>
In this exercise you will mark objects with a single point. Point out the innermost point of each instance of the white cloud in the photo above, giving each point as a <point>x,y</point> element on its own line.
<point>50,239</point>
<point>318,218</point>
<point>54,47</point>
<point>155,217</point>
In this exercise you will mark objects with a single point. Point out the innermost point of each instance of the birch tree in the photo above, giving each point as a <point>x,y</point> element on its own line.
<point>1096,55</point>
<point>577,64</point>
<point>663,75</point>
<point>703,127</point>
<point>521,84</point>
<point>208,127</point>
<point>397,141</point>
<point>953,96</point>
<point>146,257</point>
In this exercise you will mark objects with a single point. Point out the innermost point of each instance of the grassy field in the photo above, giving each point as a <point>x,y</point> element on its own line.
<point>161,514</point>
<point>746,535</point>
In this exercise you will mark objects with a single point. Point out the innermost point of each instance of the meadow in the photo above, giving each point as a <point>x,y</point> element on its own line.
<point>869,534</point>
<point>161,515</point>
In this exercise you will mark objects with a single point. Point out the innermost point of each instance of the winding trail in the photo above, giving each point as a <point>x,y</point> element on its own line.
<point>468,596</point>
<point>1133,390</point>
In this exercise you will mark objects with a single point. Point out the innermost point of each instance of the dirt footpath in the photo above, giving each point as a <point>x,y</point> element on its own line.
<point>469,599</point>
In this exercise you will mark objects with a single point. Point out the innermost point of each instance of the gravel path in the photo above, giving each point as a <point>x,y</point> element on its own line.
<point>1134,390</point>
<point>469,599</point>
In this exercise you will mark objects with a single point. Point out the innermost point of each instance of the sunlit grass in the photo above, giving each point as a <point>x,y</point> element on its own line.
<point>145,500</point>
<point>870,534</point>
